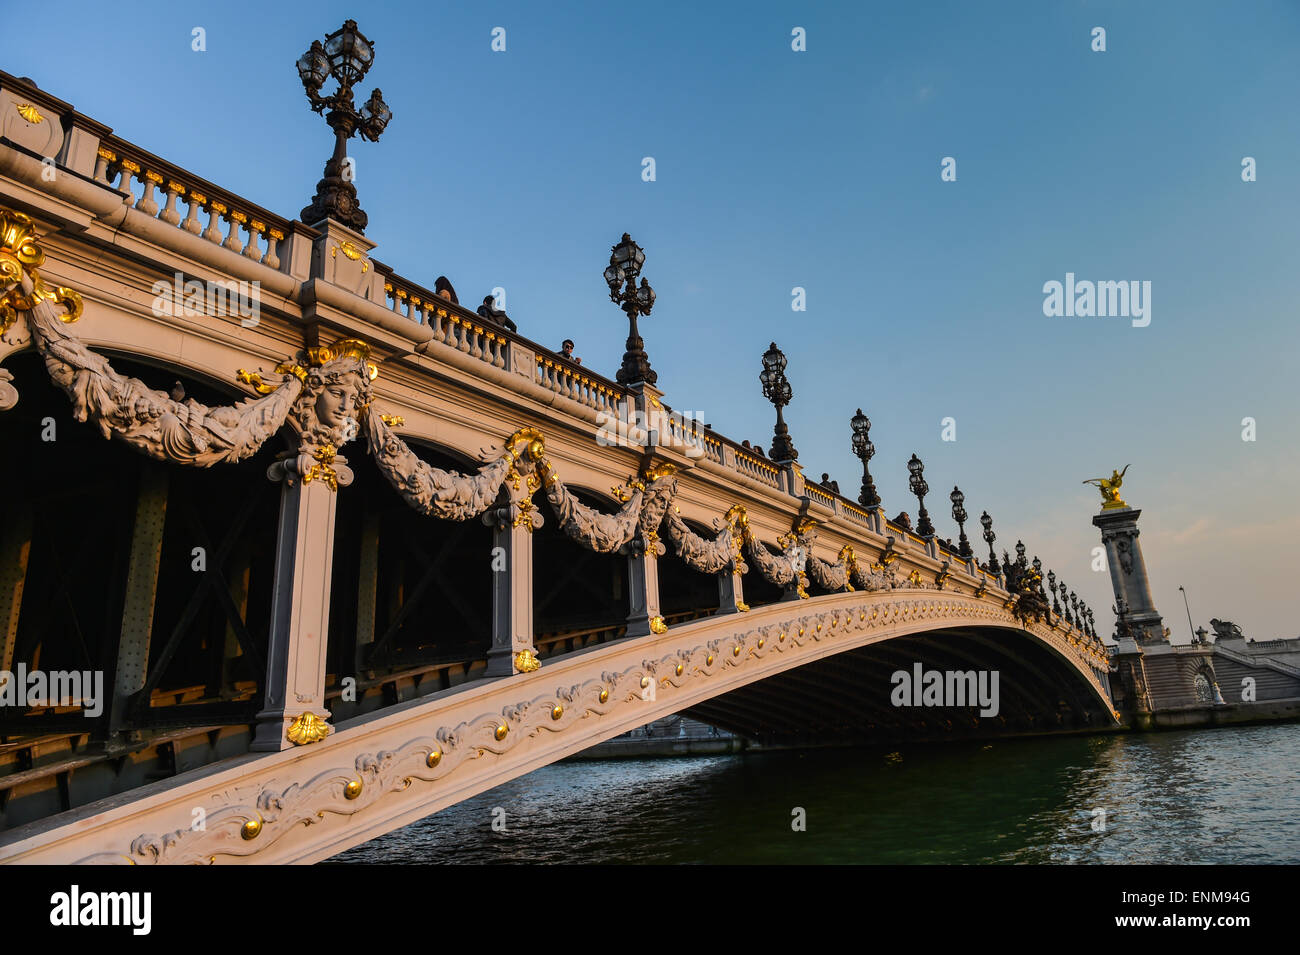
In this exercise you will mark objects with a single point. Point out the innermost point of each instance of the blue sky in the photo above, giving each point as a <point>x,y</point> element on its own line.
<point>821,169</point>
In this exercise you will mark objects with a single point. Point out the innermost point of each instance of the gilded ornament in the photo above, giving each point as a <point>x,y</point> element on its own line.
<point>307,728</point>
<point>657,625</point>
<point>679,669</point>
<point>323,469</point>
<point>353,789</point>
<point>251,829</point>
<point>434,758</point>
<point>525,662</point>
<point>604,696</point>
<point>392,420</point>
<point>709,661</point>
<point>501,731</point>
<point>557,711</point>
<point>29,112</point>
<point>1109,488</point>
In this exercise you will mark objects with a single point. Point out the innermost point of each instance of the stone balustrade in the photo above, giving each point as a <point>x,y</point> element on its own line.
<point>222,218</point>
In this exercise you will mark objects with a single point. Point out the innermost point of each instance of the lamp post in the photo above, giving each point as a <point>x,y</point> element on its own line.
<point>776,389</point>
<point>1188,607</point>
<point>1051,584</point>
<point>1092,624</point>
<point>625,261</point>
<point>989,538</point>
<point>346,56</point>
<point>916,482</point>
<point>865,451</point>
<point>959,515</point>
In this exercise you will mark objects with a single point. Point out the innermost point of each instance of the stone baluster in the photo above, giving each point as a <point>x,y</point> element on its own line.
<point>215,211</point>
<point>126,168</point>
<point>253,250</point>
<point>102,158</point>
<point>274,237</point>
<point>233,242</point>
<point>439,327</point>
<point>463,325</point>
<point>476,339</point>
<point>169,213</point>
<point>193,201</point>
<point>146,203</point>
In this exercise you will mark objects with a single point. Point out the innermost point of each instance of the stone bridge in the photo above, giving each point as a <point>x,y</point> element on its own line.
<point>472,556</point>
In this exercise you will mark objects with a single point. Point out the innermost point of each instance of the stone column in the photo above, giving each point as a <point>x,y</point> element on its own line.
<point>304,558</point>
<point>1128,573</point>
<point>643,586</point>
<point>731,592</point>
<point>512,585</point>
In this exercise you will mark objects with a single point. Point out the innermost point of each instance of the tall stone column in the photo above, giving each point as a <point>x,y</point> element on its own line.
<point>643,586</point>
<point>304,558</point>
<point>1128,574</point>
<point>512,585</point>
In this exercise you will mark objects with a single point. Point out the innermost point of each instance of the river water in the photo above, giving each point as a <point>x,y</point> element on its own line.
<point>1221,796</point>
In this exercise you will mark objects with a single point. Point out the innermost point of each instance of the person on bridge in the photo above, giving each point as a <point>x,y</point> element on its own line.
<point>566,349</point>
<point>497,316</point>
<point>443,288</point>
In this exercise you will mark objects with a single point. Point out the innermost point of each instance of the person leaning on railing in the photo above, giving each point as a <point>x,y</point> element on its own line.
<point>489,312</point>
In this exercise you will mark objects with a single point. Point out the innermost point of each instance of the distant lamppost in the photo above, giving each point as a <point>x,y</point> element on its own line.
<point>916,482</point>
<point>989,538</point>
<point>1051,583</point>
<point>625,261</point>
<point>1074,603</point>
<point>1188,608</point>
<point>1092,624</point>
<point>1065,603</point>
<point>865,451</point>
<point>959,515</point>
<point>346,56</point>
<point>776,389</point>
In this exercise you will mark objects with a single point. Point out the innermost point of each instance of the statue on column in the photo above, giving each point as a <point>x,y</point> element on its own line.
<point>1109,488</point>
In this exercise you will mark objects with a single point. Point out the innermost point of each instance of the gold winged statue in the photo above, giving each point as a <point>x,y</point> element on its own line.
<point>1109,488</point>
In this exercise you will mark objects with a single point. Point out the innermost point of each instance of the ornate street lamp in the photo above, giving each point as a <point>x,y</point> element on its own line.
<point>1020,554</point>
<point>1051,583</point>
<point>1065,603</point>
<point>989,538</point>
<point>1074,603</point>
<point>625,261</point>
<point>1092,624</point>
<point>959,515</point>
<point>346,56</point>
<point>776,389</point>
<point>865,451</point>
<point>916,481</point>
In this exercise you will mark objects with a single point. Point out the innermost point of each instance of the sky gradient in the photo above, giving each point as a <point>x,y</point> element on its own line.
<point>821,169</point>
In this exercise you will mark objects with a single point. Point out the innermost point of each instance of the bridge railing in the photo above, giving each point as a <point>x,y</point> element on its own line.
<point>156,187</point>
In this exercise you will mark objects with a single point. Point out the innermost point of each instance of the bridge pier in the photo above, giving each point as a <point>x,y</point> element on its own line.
<point>295,659</point>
